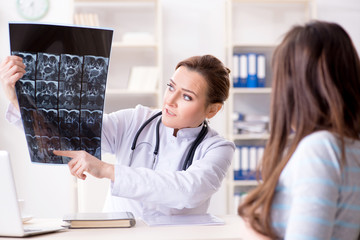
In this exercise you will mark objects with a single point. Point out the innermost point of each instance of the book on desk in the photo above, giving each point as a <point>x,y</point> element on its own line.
<point>100,220</point>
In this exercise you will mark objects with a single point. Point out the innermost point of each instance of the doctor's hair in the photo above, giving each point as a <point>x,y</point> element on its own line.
<point>215,73</point>
<point>316,86</point>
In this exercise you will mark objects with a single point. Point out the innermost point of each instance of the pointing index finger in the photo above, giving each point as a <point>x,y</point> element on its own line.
<point>70,154</point>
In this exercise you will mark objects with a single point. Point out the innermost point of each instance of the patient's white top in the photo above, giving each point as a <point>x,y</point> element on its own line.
<point>147,188</point>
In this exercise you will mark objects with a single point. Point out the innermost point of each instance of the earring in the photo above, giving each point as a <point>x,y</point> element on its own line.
<point>207,120</point>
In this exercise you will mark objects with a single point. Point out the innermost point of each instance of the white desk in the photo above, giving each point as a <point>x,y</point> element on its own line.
<point>231,230</point>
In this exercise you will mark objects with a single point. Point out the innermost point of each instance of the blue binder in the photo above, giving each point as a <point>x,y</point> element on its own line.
<point>235,72</point>
<point>252,76</point>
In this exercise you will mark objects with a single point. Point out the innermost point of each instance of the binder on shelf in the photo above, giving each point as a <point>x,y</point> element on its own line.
<point>235,72</point>
<point>251,67</point>
<point>252,162</point>
<point>237,164</point>
<point>243,70</point>
<point>261,70</point>
<point>245,161</point>
<point>259,154</point>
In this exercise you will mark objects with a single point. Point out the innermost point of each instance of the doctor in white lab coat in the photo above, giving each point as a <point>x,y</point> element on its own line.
<point>156,184</point>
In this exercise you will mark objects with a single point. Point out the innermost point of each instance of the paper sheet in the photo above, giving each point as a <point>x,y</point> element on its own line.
<point>204,219</point>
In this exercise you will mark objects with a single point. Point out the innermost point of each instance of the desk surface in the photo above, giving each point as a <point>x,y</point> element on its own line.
<point>231,230</point>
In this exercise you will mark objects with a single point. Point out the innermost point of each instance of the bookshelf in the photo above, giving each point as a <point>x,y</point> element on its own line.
<point>136,44</point>
<point>254,26</point>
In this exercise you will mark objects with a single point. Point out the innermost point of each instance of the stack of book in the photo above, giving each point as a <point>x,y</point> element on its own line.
<point>250,123</point>
<point>100,220</point>
<point>249,70</point>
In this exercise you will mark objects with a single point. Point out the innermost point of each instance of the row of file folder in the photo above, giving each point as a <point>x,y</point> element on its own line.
<point>239,197</point>
<point>249,70</point>
<point>246,160</point>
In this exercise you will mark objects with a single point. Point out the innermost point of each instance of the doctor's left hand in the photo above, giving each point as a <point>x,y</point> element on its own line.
<point>84,162</point>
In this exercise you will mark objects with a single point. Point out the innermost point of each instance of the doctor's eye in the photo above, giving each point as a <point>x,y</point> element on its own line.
<point>187,97</point>
<point>171,87</point>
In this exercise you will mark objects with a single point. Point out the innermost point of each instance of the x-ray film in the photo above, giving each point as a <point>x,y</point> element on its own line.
<point>62,93</point>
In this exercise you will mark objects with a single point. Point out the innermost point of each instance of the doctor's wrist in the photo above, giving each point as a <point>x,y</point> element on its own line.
<point>108,171</point>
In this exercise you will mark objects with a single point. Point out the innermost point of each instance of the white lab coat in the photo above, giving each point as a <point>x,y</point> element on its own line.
<point>160,188</point>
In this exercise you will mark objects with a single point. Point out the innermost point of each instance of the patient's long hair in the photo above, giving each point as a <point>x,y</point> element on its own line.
<point>316,86</point>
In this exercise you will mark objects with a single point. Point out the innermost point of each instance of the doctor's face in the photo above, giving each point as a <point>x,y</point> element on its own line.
<point>185,100</point>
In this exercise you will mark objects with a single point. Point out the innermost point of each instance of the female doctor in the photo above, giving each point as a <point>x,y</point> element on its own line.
<point>168,161</point>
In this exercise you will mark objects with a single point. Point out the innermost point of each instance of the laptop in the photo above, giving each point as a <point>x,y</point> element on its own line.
<point>11,224</point>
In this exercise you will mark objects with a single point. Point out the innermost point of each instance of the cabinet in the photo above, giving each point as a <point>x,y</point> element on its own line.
<point>254,26</point>
<point>136,49</point>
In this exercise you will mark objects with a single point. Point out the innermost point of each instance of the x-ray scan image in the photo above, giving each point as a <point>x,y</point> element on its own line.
<point>48,116</point>
<point>61,100</point>
<point>90,125</point>
<point>48,122</point>
<point>29,59</point>
<point>49,145</point>
<point>92,146</point>
<point>46,94</point>
<point>69,123</point>
<point>25,91</point>
<point>62,112</point>
<point>95,69</point>
<point>28,115</point>
<point>35,148</point>
<point>71,68</point>
<point>69,95</point>
<point>69,144</point>
<point>93,96</point>
<point>66,72</point>
<point>48,67</point>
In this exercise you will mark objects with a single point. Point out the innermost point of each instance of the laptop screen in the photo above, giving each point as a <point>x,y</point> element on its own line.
<point>10,217</point>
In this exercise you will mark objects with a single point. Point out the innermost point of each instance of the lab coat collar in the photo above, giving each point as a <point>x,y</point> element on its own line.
<point>185,132</point>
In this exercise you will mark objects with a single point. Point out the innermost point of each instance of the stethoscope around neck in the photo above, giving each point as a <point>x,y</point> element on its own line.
<point>190,154</point>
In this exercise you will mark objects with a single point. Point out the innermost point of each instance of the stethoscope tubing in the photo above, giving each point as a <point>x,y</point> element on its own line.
<point>190,155</point>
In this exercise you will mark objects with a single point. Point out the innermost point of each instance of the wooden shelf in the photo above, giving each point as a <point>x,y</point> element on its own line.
<point>128,92</point>
<point>118,44</point>
<point>245,182</point>
<point>251,90</point>
<point>250,136</point>
<point>271,1</point>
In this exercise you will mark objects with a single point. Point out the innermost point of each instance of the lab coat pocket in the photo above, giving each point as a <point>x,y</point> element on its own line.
<point>143,155</point>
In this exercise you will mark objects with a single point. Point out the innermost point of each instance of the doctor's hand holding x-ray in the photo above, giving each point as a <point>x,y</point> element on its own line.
<point>168,161</point>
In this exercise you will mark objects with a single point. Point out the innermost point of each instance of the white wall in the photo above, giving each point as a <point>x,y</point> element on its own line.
<point>189,28</point>
<point>195,28</point>
<point>45,188</point>
<point>345,12</point>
